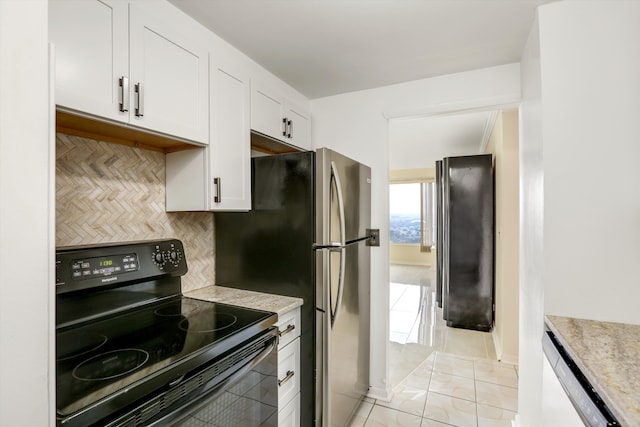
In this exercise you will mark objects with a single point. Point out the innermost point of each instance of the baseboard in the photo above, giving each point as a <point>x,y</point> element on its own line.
<point>385,394</point>
<point>500,355</point>
<point>509,358</point>
<point>496,344</point>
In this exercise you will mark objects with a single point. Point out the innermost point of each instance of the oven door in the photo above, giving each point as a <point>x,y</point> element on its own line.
<point>241,391</point>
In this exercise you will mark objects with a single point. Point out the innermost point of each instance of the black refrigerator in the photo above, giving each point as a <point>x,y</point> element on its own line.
<point>466,221</point>
<point>307,236</point>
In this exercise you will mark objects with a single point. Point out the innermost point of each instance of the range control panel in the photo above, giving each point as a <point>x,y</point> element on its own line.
<point>84,267</point>
<point>103,266</point>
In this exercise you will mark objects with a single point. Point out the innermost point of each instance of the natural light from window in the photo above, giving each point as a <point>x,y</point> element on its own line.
<point>404,208</point>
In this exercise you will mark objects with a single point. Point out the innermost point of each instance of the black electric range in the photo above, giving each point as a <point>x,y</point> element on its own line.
<point>125,334</point>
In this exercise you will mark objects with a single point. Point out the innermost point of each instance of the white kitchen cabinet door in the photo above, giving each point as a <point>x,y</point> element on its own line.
<point>169,77</point>
<point>218,177</point>
<point>299,127</point>
<point>230,144</point>
<point>275,116</point>
<point>267,112</point>
<point>289,416</point>
<point>91,40</point>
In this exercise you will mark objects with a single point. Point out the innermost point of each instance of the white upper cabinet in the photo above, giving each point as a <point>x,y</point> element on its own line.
<point>275,116</point>
<point>218,177</point>
<point>267,113</point>
<point>230,145</point>
<point>91,39</point>
<point>123,62</point>
<point>298,126</point>
<point>169,77</point>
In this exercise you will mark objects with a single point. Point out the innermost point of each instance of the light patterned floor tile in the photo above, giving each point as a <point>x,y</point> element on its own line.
<point>450,410</point>
<point>361,415</point>
<point>452,385</point>
<point>454,366</point>
<point>457,366</point>
<point>488,416</point>
<point>386,417</point>
<point>407,399</point>
<point>432,423</point>
<point>503,375</point>
<point>418,379</point>
<point>497,395</point>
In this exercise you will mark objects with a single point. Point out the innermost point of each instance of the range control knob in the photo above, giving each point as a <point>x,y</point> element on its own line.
<point>174,256</point>
<point>158,258</point>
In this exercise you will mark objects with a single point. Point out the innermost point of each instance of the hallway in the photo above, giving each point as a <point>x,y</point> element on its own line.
<point>440,376</point>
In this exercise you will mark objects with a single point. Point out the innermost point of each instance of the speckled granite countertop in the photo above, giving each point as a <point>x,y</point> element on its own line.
<point>257,300</point>
<point>608,354</point>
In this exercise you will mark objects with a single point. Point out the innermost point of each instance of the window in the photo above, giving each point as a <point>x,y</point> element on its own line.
<point>404,207</point>
<point>412,214</point>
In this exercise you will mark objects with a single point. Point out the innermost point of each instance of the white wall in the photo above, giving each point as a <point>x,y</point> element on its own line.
<point>26,240</point>
<point>591,117</point>
<point>580,208</point>
<point>503,144</point>
<point>531,237</point>
<point>356,125</point>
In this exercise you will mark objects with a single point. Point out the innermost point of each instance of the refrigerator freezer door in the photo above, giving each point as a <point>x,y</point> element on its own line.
<point>343,212</point>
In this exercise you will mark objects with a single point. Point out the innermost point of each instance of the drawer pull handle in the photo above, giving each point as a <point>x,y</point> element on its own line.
<point>286,331</point>
<point>290,375</point>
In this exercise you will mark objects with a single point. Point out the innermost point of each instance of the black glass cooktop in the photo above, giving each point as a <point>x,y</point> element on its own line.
<point>162,341</point>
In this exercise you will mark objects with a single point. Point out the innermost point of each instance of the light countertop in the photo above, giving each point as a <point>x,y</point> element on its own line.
<point>608,354</point>
<point>257,300</point>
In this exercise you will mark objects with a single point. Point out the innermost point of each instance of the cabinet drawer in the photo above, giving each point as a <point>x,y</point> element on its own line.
<point>289,416</point>
<point>288,372</point>
<point>289,326</point>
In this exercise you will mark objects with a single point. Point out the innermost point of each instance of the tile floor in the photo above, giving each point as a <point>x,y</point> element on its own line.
<point>440,376</point>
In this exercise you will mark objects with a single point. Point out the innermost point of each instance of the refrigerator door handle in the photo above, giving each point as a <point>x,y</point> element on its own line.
<point>334,313</point>
<point>335,176</point>
<point>333,246</point>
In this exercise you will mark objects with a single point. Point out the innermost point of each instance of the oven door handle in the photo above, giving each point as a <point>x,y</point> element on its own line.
<point>224,385</point>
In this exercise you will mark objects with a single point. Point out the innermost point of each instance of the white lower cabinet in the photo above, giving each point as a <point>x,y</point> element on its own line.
<point>289,416</point>
<point>289,369</point>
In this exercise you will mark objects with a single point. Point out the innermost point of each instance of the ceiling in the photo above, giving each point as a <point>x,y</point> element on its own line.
<point>418,142</point>
<point>328,47</point>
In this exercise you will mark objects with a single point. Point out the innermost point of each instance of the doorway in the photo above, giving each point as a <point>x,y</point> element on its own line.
<point>417,330</point>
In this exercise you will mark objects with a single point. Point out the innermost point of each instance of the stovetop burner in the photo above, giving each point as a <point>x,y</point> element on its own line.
<point>78,344</point>
<point>110,365</point>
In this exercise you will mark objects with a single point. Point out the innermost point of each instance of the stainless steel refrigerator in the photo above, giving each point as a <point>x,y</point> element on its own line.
<point>306,236</point>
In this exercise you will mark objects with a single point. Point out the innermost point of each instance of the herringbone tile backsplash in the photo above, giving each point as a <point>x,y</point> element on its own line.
<point>114,193</point>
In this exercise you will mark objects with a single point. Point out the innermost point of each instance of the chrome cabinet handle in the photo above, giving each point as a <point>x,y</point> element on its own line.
<point>286,331</point>
<point>123,84</point>
<point>290,129</point>
<point>284,126</point>
<point>218,183</point>
<point>290,375</point>
<point>140,95</point>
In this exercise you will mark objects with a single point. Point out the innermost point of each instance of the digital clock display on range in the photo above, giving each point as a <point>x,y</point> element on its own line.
<point>89,268</point>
